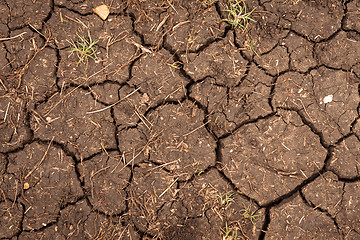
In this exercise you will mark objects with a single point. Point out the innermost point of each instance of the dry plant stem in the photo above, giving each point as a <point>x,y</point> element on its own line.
<point>168,187</point>
<point>112,41</point>
<point>142,149</point>
<point>3,193</point>
<point>165,164</point>
<point>141,116</point>
<point>92,176</point>
<point>122,157</point>
<point>144,49</point>
<point>306,111</point>
<point>86,80</point>
<point>123,232</point>
<point>104,149</point>
<point>6,112</point>
<point>22,191</point>
<point>37,31</point>
<point>162,23</point>
<point>76,21</point>
<point>5,88</point>
<point>179,24</point>
<point>125,64</point>
<point>122,66</point>
<point>161,38</point>
<point>196,129</point>
<point>8,64</point>
<point>16,192</point>
<point>172,7</point>
<point>9,38</point>
<point>117,102</point>
<point>22,71</point>
<point>133,158</point>
<point>42,159</point>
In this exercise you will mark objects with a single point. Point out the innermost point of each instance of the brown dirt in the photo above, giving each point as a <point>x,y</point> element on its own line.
<point>183,128</point>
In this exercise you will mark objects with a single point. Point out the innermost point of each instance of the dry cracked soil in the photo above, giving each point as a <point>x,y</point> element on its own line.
<point>178,125</point>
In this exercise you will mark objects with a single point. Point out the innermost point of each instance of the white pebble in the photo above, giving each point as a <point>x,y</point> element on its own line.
<point>328,98</point>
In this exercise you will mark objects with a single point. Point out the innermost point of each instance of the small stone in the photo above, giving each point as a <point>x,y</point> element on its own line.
<point>102,11</point>
<point>26,186</point>
<point>144,99</point>
<point>328,99</point>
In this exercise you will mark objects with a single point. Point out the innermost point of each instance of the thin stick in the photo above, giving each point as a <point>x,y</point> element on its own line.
<point>162,23</point>
<point>36,30</point>
<point>144,49</point>
<point>22,71</point>
<point>172,6</point>
<point>74,90</point>
<point>2,191</point>
<point>196,129</point>
<point>77,21</point>
<point>112,41</point>
<point>305,110</point>
<point>42,159</point>
<point>123,157</point>
<point>162,37</point>
<point>125,64</point>
<point>115,103</point>
<point>168,188</point>
<point>179,24</point>
<point>142,149</point>
<point>6,112</point>
<point>22,189</point>
<point>136,112</point>
<point>9,38</point>
<point>133,158</point>
<point>165,164</point>
<point>93,175</point>
<point>3,85</point>
<point>8,64</point>
<point>16,192</point>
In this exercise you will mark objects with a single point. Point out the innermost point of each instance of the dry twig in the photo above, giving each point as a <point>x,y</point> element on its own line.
<point>42,159</point>
<point>9,38</point>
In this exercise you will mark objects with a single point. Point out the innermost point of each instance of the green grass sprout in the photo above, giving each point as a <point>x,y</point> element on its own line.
<point>226,198</point>
<point>238,17</point>
<point>247,213</point>
<point>229,234</point>
<point>84,49</point>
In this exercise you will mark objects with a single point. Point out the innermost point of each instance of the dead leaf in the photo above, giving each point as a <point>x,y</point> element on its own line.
<point>102,11</point>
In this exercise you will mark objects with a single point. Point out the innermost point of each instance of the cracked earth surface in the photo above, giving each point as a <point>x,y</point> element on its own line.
<point>185,128</point>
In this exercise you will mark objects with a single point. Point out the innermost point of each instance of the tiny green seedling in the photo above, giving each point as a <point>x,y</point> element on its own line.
<point>84,49</point>
<point>191,38</point>
<point>251,45</point>
<point>238,16</point>
<point>177,65</point>
<point>62,19</point>
<point>229,234</point>
<point>226,198</point>
<point>247,213</point>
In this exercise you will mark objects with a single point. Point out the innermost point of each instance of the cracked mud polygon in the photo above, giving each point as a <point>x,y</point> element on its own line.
<point>182,127</point>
